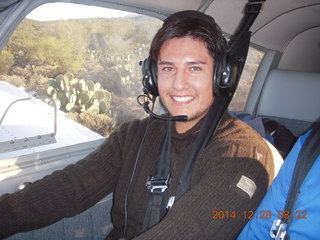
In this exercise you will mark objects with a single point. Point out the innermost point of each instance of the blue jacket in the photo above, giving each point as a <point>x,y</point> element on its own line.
<point>305,224</point>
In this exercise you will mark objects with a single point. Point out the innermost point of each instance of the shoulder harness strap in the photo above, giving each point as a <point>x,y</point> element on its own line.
<point>307,156</point>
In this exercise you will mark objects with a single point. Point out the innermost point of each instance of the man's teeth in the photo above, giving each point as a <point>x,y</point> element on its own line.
<point>183,99</point>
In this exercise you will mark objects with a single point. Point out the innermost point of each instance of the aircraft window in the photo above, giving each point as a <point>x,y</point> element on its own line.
<point>240,97</point>
<point>87,62</point>
<point>93,53</point>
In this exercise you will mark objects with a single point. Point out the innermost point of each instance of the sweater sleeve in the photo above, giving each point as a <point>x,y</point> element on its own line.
<point>221,202</point>
<point>64,193</point>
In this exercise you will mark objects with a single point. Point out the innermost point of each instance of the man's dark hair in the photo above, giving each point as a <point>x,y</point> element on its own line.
<point>192,24</point>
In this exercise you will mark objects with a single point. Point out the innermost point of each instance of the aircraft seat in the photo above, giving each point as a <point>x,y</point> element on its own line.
<point>283,100</point>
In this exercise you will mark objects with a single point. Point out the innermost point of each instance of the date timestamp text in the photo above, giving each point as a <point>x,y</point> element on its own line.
<point>216,214</point>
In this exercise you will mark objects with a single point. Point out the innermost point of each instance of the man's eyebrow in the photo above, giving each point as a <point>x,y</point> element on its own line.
<point>165,63</point>
<point>189,63</point>
<point>196,62</point>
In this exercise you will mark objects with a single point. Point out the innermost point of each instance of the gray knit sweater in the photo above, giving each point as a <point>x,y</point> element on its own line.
<point>234,151</point>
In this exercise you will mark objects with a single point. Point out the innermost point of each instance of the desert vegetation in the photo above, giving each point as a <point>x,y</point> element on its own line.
<point>90,67</point>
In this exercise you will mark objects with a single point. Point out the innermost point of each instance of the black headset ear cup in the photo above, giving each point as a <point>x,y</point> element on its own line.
<point>226,75</point>
<point>150,75</point>
<point>218,66</point>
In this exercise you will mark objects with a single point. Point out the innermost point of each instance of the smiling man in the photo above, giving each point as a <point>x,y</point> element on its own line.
<point>185,70</point>
<point>229,178</point>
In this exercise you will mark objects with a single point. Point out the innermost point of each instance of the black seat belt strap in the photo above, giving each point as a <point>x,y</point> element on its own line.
<point>158,184</point>
<point>208,128</point>
<point>307,156</point>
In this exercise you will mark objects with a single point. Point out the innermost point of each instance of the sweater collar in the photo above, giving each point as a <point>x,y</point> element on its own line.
<point>191,132</point>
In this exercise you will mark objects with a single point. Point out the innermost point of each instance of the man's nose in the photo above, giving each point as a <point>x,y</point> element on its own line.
<point>181,80</point>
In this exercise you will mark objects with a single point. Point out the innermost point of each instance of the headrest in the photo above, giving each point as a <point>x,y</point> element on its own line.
<point>291,95</point>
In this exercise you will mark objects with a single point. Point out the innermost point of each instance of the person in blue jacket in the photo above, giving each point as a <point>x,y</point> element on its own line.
<point>305,218</point>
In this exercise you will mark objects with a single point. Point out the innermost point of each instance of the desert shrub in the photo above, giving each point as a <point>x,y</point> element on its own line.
<point>100,123</point>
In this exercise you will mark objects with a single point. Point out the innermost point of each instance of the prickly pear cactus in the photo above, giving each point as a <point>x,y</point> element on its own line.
<point>73,95</point>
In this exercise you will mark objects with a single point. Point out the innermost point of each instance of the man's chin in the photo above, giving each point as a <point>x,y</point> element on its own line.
<point>196,117</point>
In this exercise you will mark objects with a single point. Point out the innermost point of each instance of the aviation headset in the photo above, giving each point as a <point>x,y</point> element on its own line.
<point>226,66</point>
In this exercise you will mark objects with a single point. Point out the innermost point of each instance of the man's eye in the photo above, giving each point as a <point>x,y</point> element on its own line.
<point>167,69</point>
<point>195,69</point>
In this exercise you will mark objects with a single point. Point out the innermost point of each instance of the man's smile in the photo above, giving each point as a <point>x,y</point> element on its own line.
<point>182,99</point>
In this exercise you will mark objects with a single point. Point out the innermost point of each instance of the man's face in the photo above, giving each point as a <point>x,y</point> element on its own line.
<point>185,72</point>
